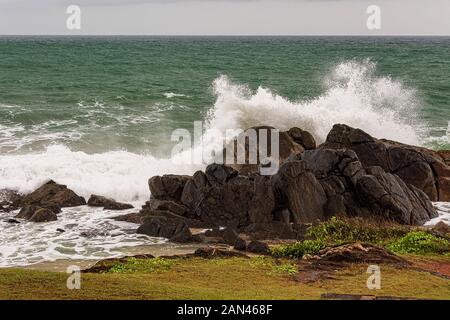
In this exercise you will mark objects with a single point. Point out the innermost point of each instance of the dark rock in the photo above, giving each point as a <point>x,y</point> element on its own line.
<point>43,215</point>
<point>12,221</point>
<point>302,137</point>
<point>297,189</point>
<point>420,167</point>
<point>168,205</point>
<point>445,155</point>
<point>162,227</point>
<point>60,230</point>
<point>108,204</point>
<point>167,187</point>
<point>220,197</point>
<point>131,217</point>
<point>29,210</point>
<point>52,194</point>
<point>240,244</point>
<point>241,146</point>
<point>272,230</point>
<point>229,236</point>
<point>258,247</point>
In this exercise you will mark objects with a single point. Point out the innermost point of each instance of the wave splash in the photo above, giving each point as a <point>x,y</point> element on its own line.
<point>353,95</point>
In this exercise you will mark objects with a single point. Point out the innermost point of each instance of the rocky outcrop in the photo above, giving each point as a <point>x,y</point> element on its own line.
<point>420,167</point>
<point>8,198</point>
<point>107,203</point>
<point>173,229</point>
<point>52,194</point>
<point>290,142</point>
<point>38,214</point>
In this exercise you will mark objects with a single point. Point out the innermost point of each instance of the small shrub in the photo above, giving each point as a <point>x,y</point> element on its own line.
<point>418,243</point>
<point>298,249</point>
<point>338,230</point>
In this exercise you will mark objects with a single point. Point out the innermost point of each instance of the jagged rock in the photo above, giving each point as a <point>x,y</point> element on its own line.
<point>219,196</point>
<point>241,146</point>
<point>168,205</point>
<point>108,204</point>
<point>420,167</point>
<point>297,189</point>
<point>352,190</point>
<point>43,215</point>
<point>303,138</point>
<point>167,187</point>
<point>163,227</point>
<point>52,194</point>
<point>28,211</point>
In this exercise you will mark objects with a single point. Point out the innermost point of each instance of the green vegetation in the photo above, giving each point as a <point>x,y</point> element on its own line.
<point>143,265</point>
<point>298,249</point>
<point>336,231</point>
<point>419,243</point>
<point>339,230</point>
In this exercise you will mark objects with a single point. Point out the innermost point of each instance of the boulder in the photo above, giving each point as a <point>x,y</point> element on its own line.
<point>107,203</point>
<point>222,197</point>
<point>297,189</point>
<point>162,227</point>
<point>52,194</point>
<point>420,167</point>
<point>287,145</point>
<point>240,244</point>
<point>43,215</point>
<point>303,138</point>
<point>167,187</point>
<point>29,212</point>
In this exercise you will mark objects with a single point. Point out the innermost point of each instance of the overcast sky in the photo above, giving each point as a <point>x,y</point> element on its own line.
<point>226,17</point>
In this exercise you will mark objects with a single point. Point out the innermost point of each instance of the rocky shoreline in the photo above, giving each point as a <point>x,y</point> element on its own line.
<point>350,175</point>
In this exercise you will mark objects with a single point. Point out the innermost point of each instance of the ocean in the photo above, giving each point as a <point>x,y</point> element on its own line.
<point>97,113</point>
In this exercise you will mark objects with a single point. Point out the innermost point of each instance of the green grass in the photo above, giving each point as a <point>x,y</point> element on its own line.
<point>419,243</point>
<point>222,278</point>
<point>143,265</point>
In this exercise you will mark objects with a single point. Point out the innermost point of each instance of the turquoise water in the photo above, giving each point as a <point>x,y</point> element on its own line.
<point>110,104</point>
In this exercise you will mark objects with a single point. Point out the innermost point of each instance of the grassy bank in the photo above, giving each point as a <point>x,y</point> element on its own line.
<point>221,278</point>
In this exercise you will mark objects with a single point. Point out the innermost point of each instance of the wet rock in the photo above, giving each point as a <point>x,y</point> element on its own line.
<point>107,203</point>
<point>303,138</point>
<point>52,194</point>
<point>43,215</point>
<point>60,230</point>
<point>420,167</point>
<point>287,146</point>
<point>14,221</point>
<point>297,189</point>
<point>131,218</point>
<point>167,187</point>
<point>29,210</point>
<point>162,227</point>
<point>168,205</point>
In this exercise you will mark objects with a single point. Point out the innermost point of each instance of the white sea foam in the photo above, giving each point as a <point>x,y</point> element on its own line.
<point>353,95</point>
<point>443,209</point>
<point>89,234</point>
